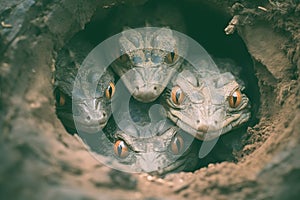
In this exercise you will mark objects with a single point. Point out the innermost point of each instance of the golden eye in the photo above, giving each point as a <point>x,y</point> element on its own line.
<point>177,95</point>
<point>235,99</point>
<point>171,57</point>
<point>60,98</point>
<point>121,149</point>
<point>177,145</point>
<point>110,90</point>
<point>123,58</point>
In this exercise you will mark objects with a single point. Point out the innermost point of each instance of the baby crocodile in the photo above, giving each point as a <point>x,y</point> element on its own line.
<point>148,61</point>
<point>89,109</point>
<point>206,103</point>
<point>163,148</point>
<point>169,151</point>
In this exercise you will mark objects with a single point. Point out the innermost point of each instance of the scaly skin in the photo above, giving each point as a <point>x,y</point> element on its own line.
<point>90,109</point>
<point>204,110</point>
<point>147,151</point>
<point>149,60</point>
<point>154,155</point>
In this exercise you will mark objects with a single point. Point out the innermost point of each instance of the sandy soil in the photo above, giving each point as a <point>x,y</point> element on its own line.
<point>40,160</point>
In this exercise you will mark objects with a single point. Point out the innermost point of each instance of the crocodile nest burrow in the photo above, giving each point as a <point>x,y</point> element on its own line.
<point>39,153</point>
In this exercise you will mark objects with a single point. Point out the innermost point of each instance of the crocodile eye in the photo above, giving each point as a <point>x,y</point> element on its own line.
<point>171,57</point>
<point>177,145</point>
<point>235,99</point>
<point>123,58</point>
<point>121,149</point>
<point>177,95</point>
<point>60,98</point>
<point>110,90</point>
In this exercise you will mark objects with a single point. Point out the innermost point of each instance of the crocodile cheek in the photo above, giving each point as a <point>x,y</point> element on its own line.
<point>182,121</point>
<point>231,119</point>
<point>187,128</point>
<point>237,119</point>
<point>195,117</point>
<point>174,115</point>
<point>131,79</point>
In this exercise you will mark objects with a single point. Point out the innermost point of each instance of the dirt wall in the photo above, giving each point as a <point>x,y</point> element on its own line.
<point>40,160</point>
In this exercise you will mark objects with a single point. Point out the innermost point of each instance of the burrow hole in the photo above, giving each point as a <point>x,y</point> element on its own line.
<point>206,25</point>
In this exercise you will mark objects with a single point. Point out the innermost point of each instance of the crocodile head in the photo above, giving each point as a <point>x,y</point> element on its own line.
<point>137,145</point>
<point>86,103</point>
<point>92,108</point>
<point>169,151</point>
<point>206,105</point>
<point>148,61</point>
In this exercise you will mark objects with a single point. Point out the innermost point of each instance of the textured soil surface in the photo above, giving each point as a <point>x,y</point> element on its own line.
<point>40,160</point>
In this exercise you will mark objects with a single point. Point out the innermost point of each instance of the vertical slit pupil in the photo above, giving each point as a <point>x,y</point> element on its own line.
<point>109,90</point>
<point>120,149</point>
<point>177,95</point>
<point>172,55</point>
<point>177,144</point>
<point>234,98</point>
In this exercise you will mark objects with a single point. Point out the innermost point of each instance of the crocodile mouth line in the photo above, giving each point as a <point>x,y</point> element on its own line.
<point>176,165</point>
<point>198,133</point>
<point>89,128</point>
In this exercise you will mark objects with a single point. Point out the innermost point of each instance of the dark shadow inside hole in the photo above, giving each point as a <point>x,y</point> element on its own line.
<point>206,25</point>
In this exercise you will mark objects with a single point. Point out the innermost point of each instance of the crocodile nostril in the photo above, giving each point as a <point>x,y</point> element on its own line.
<point>137,88</point>
<point>88,118</point>
<point>198,121</point>
<point>155,88</point>
<point>104,114</point>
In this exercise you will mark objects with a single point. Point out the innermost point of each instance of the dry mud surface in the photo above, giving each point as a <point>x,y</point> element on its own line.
<point>39,160</point>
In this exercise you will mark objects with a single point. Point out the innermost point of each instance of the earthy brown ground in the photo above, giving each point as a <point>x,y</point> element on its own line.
<point>39,160</point>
